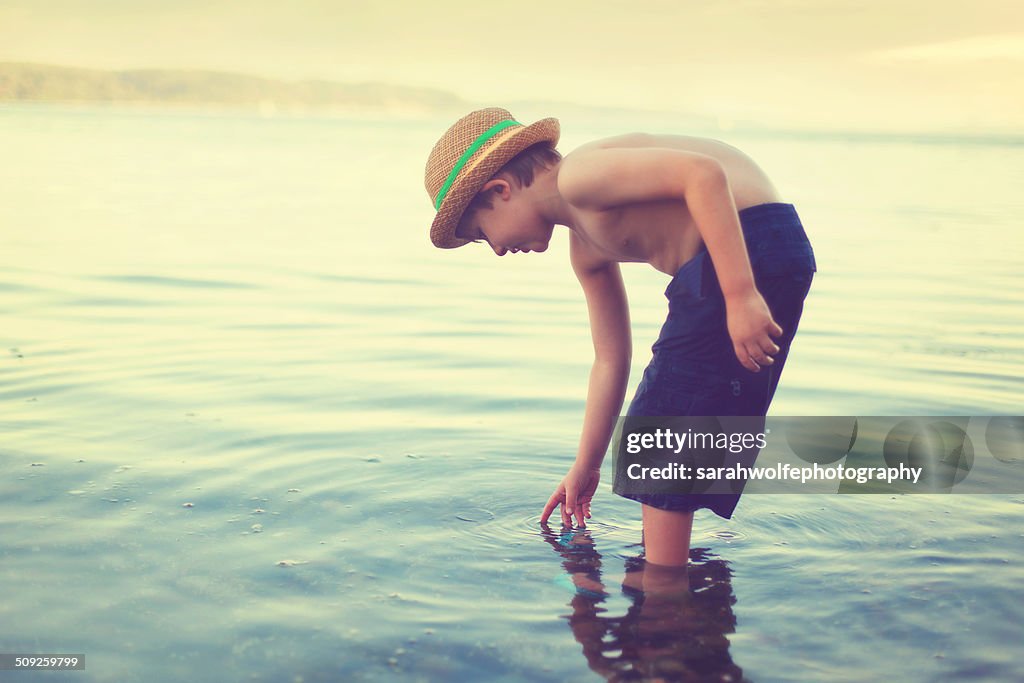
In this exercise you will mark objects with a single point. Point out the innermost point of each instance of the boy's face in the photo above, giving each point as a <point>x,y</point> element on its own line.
<point>511,226</point>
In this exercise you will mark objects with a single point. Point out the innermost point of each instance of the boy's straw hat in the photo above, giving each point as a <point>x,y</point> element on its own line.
<point>467,156</point>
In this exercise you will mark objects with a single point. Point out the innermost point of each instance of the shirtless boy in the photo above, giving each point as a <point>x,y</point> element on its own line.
<point>697,210</point>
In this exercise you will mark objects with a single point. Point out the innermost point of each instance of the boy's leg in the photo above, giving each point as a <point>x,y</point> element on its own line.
<point>667,536</point>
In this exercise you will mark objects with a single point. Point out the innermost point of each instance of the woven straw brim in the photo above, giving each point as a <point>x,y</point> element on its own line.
<point>478,172</point>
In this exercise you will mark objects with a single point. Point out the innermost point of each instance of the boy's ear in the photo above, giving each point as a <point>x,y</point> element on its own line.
<point>499,186</point>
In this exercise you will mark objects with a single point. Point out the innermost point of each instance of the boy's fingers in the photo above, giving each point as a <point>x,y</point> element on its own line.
<point>743,357</point>
<point>766,345</point>
<point>552,503</point>
<point>760,354</point>
<point>575,510</point>
<point>746,359</point>
<point>545,513</point>
<point>764,355</point>
<point>567,508</point>
<point>770,348</point>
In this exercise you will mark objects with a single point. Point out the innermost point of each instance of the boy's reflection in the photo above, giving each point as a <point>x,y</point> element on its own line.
<point>674,630</point>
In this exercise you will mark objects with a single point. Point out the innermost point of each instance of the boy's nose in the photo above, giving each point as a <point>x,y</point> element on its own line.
<point>500,251</point>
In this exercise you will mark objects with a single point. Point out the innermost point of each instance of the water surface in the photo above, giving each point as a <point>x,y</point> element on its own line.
<point>254,427</point>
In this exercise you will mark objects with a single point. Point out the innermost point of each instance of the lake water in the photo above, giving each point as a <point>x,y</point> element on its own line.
<point>254,427</point>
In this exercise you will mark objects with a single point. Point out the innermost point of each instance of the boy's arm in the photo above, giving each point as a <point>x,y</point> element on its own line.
<point>608,310</point>
<point>609,326</point>
<point>606,178</point>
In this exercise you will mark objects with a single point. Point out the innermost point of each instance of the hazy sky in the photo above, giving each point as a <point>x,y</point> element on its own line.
<point>908,65</point>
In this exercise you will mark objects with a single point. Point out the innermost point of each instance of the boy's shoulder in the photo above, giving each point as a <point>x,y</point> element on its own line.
<point>576,171</point>
<point>587,173</point>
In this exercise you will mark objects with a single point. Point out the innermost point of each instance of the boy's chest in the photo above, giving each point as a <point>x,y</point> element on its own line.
<point>654,232</point>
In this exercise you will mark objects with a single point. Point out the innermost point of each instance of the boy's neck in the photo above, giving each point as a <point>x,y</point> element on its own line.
<point>549,201</point>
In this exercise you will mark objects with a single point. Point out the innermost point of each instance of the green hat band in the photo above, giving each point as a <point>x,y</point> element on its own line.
<point>477,144</point>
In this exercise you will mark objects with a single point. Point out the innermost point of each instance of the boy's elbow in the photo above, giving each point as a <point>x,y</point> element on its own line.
<point>709,173</point>
<point>614,359</point>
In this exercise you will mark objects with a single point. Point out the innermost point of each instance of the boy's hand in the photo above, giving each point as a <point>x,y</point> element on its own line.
<point>574,493</point>
<point>751,329</point>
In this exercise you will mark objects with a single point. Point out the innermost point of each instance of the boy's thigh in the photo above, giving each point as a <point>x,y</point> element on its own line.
<point>680,386</point>
<point>785,295</point>
<point>691,374</point>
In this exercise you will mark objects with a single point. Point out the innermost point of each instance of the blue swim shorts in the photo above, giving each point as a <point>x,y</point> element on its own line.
<point>694,370</point>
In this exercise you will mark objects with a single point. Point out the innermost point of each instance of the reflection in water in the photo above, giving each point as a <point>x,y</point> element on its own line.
<point>675,629</point>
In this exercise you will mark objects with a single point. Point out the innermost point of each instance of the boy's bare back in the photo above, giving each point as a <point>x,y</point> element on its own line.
<point>662,231</point>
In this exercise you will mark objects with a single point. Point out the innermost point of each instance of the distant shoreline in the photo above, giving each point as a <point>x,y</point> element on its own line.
<point>223,93</point>
<point>29,82</point>
<point>143,108</point>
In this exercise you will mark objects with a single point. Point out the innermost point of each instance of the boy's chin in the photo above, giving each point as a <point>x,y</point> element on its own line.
<point>541,245</point>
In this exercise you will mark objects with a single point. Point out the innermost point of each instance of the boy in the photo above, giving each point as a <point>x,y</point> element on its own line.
<point>697,210</point>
